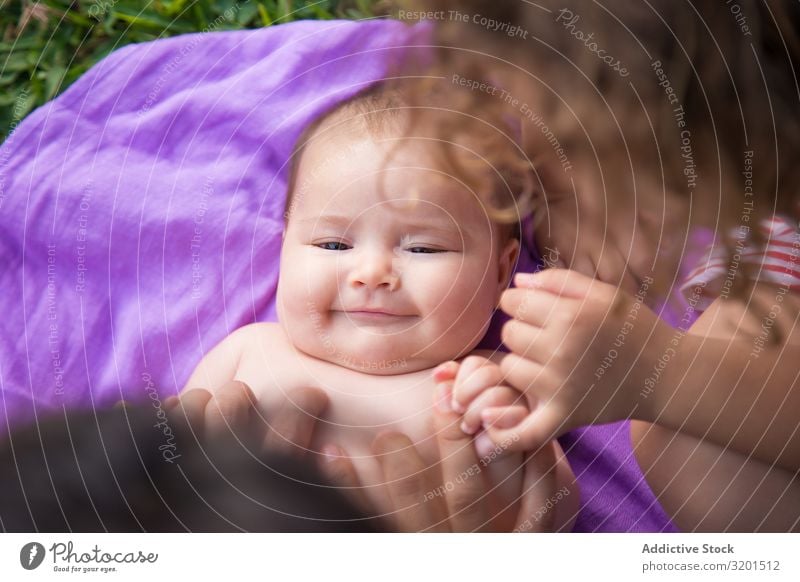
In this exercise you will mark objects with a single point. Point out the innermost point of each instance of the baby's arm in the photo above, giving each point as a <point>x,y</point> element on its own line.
<point>212,401</point>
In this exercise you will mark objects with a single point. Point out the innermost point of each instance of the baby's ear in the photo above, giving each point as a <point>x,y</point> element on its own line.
<point>508,260</point>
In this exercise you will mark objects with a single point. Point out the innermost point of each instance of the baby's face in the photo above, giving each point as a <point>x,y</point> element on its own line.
<point>386,268</point>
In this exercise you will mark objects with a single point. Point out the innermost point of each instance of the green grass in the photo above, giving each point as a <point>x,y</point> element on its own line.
<point>47,44</point>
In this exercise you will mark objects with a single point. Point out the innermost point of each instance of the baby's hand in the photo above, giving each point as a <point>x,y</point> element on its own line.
<point>479,393</point>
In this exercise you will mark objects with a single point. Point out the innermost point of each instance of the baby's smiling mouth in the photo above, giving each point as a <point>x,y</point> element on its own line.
<point>374,316</point>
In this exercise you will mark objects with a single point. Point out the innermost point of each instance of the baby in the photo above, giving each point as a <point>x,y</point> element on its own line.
<point>390,266</point>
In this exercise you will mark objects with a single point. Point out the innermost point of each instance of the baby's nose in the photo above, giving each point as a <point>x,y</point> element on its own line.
<point>374,272</point>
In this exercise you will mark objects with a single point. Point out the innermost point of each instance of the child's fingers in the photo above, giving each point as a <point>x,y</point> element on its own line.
<point>475,375</point>
<point>530,342</point>
<point>533,306</point>
<point>531,432</point>
<point>529,377</point>
<point>561,282</point>
<point>492,397</point>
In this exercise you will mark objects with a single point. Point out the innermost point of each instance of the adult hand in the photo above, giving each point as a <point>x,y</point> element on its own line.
<point>460,499</point>
<point>233,409</point>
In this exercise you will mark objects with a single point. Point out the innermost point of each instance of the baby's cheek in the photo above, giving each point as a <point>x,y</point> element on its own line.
<point>461,312</point>
<point>308,282</point>
<point>298,303</point>
<point>477,295</point>
<point>305,322</point>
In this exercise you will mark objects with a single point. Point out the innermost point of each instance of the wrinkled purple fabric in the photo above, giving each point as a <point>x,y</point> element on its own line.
<point>141,219</point>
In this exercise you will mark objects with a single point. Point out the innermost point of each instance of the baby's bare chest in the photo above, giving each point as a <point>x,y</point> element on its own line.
<point>360,405</point>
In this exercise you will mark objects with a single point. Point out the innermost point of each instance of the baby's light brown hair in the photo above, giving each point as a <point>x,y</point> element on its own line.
<point>468,154</point>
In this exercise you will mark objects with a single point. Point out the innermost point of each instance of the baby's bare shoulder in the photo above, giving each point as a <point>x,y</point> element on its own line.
<point>266,340</point>
<point>268,363</point>
<point>257,329</point>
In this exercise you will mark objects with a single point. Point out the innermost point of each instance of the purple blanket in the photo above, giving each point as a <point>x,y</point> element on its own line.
<point>141,218</point>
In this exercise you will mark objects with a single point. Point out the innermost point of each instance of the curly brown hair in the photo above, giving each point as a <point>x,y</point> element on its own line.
<point>701,98</point>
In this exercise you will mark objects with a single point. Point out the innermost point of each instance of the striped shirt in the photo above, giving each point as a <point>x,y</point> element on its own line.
<point>776,260</point>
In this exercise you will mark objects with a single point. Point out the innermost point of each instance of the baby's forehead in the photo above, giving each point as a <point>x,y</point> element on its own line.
<point>349,170</point>
<point>453,211</point>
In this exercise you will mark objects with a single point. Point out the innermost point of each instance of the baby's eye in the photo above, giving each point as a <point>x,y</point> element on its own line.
<point>426,250</point>
<point>333,246</point>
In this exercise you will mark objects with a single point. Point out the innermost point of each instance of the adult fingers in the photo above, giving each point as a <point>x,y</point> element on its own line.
<point>230,410</point>
<point>539,485</point>
<point>292,428</point>
<point>190,410</point>
<point>463,486</point>
<point>416,508</point>
<point>338,467</point>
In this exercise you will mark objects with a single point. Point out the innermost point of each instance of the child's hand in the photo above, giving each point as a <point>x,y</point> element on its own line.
<point>581,351</point>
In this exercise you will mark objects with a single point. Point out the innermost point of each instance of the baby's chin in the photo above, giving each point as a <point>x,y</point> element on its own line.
<point>383,366</point>
<point>374,363</point>
<point>389,355</point>
<point>368,363</point>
